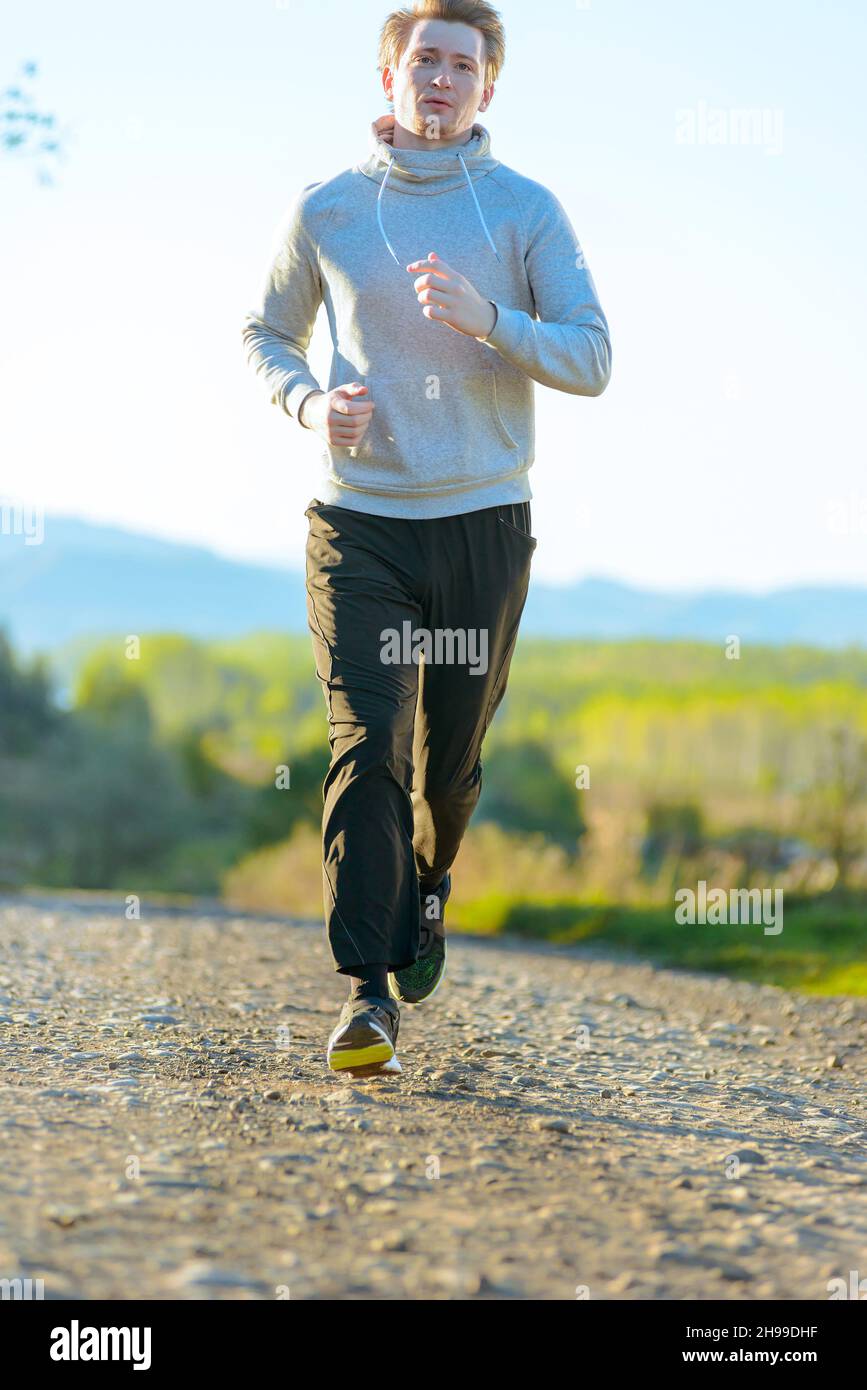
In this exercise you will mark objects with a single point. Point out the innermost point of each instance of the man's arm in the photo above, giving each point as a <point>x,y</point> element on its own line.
<point>277,332</point>
<point>569,347</point>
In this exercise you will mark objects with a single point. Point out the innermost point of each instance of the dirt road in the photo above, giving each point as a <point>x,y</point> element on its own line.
<point>565,1125</point>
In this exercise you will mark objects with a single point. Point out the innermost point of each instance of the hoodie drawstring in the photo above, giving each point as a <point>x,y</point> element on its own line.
<point>475,200</point>
<point>379,212</point>
<point>478,209</point>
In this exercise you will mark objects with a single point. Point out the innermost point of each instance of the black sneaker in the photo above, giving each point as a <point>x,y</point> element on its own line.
<point>421,979</point>
<point>363,1043</point>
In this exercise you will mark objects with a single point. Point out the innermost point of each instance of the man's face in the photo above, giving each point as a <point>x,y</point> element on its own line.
<point>445,61</point>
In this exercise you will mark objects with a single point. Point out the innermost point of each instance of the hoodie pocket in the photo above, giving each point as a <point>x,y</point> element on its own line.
<point>430,434</point>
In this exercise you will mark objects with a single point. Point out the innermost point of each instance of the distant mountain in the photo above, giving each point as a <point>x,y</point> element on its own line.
<point>825,616</point>
<point>85,581</point>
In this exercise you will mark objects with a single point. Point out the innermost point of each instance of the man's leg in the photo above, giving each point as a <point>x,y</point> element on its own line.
<point>362,578</point>
<point>479,571</point>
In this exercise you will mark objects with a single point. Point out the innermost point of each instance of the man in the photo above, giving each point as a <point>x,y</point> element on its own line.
<point>419,549</point>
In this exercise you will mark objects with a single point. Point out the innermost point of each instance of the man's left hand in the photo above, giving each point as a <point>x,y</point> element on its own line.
<point>448,297</point>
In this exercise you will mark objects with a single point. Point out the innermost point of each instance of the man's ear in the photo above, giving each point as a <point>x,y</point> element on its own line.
<point>487,98</point>
<point>387,82</point>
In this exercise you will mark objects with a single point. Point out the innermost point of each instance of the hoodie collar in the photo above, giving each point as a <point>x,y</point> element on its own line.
<point>436,170</point>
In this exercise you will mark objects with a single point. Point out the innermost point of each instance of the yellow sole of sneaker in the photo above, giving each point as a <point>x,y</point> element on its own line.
<point>352,1058</point>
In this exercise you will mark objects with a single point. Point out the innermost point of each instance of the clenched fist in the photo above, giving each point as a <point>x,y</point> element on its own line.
<point>339,416</point>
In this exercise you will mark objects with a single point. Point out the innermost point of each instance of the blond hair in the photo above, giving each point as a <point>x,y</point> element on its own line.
<point>397,28</point>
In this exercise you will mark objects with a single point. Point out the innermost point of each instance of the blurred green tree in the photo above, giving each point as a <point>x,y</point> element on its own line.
<point>524,790</point>
<point>673,830</point>
<point>836,801</point>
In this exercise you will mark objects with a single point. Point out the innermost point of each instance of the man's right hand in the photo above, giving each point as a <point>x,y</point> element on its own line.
<point>340,416</point>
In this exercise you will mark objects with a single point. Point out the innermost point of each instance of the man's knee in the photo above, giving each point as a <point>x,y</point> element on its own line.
<point>440,793</point>
<point>382,744</point>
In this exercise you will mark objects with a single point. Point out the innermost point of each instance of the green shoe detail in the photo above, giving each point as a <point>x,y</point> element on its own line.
<point>420,980</point>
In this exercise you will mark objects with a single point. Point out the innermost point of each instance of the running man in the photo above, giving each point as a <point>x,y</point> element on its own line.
<point>419,548</point>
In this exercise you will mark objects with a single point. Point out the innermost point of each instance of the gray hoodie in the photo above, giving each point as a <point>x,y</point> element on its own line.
<point>453,425</point>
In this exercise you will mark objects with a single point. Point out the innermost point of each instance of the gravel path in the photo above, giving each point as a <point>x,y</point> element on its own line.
<point>565,1125</point>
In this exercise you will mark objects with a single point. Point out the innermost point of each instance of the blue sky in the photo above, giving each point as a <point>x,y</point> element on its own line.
<point>729,448</point>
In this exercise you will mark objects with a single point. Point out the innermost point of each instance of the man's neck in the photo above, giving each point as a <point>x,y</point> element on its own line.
<point>408,140</point>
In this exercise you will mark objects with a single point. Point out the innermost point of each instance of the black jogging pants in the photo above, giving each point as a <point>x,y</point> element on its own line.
<point>414,624</point>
